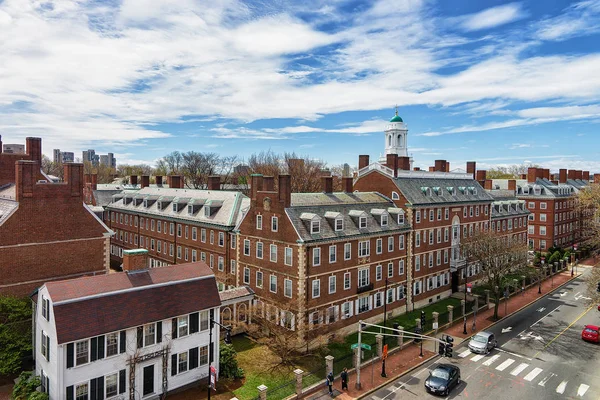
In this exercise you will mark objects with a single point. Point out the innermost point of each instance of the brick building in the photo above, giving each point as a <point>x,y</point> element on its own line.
<point>46,232</point>
<point>319,262</point>
<point>509,215</point>
<point>178,225</point>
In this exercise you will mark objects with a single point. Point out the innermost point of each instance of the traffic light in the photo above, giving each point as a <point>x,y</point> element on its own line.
<point>442,349</point>
<point>228,336</point>
<point>423,320</point>
<point>449,345</point>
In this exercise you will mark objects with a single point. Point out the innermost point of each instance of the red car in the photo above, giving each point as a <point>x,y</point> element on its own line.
<point>591,333</point>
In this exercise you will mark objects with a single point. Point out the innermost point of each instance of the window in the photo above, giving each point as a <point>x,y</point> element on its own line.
<point>477,211</point>
<point>390,296</point>
<point>378,299</point>
<point>149,334</point>
<point>274,224</point>
<point>542,217</point>
<point>471,211</point>
<point>430,260</point>
<point>395,196</point>
<point>158,226</point>
<point>531,205</point>
<point>111,385</point>
<point>112,344</point>
<point>259,222</point>
<point>364,248</point>
<point>401,218</point>
<point>384,220</point>
<point>390,270</point>
<point>418,262</point>
<point>232,240</point>
<point>431,236</point>
<point>347,282</point>
<point>220,262</point>
<point>363,304</point>
<point>390,244</point>
<point>273,253</point>
<point>46,346</point>
<point>316,288</point>
<point>211,263</point>
<point>446,234</point>
<point>207,211</point>
<point>179,230</point>
<point>182,362</point>
<point>221,239</point>
<point>431,214</point>
<point>531,229</point>
<point>379,246</point>
<point>182,326</point>
<point>287,288</point>
<point>362,222</point>
<point>259,250</point>
<point>418,216</point>
<point>315,226</point>
<point>438,258</point>
<point>446,213</point>
<point>332,284</point>
<point>81,352</point>
<point>203,235</point>
<point>332,253</point>
<point>543,244</point>
<point>465,212</point>
<point>316,256</point>
<point>363,277</point>
<point>194,255</point>
<point>543,205</point>
<point>288,256</point>
<point>246,275</point>
<point>401,242</point>
<point>439,236</point>
<point>212,237</point>
<point>259,279</point>
<point>46,308</point>
<point>232,267</point>
<point>178,251</point>
<point>446,256</point>
<point>378,273</point>
<point>417,239</point>
<point>542,230</point>
<point>401,267</point>
<point>273,283</point>
<point>347,251</point>
<point>194,233</point>
<point>81,391</point>
<point>439,214</point>
<point>339,224</point>
<point>246,247</point>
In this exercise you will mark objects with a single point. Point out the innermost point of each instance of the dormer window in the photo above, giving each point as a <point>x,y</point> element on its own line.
<point>190,208</point>
<point>339,224</point>
<point>362,222</point>
<point>451,190</point>
<point>207,211</point>
<point>401,219</point>
<point>384,220</point>
<point>315,226</point>
<point>146,203</point>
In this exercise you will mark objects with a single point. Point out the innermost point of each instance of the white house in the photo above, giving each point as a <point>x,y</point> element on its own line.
<point>133,334</point>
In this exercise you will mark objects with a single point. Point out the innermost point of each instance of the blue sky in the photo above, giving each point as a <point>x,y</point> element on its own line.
<point>493,81</point>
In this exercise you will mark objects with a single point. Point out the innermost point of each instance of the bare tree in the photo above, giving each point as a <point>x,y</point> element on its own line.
<point>52,168</point>
<point>497,255</point>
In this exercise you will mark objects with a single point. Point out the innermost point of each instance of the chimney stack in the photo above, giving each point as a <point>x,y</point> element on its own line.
<point>481,175</point>
<point>158,180</point>
<point>133,180</point>
<point>135,260</point>
<point>94,181</point>
<point>256,185</point>
<point>73,175</point>
<point>471,167</point>
<point>512,184</point>
<point>25,178</point>
<point>487,184</point>
<point>431,169</point>
<point>532,174</point>
<point>562,175</point>
<point>347,184</point>
<point>285,190</point>
<point>0,144</point>
<point>392,163</point>
<point>596,178</point>
<point>87,179</point>
<point>441,166</point>
<point>33,146</point>
<point>268,184</point>
<point>547,174</point>
<point>578,174</point>
<point>363,161</point>
<point>404,163</point>
<point>327,182</point>
<point>176,182</point>
<point>214,182</point>
<point>586,176</point>
<point>571,174</point>
<point>145,181</point>
<point>416,169</point>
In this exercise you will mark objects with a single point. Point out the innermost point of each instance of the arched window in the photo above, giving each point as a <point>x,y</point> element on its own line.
<point>226,316</point>
<point>400,140</point>
<point>395,196</point>
<point>389,140</point>
<point>242,312</point>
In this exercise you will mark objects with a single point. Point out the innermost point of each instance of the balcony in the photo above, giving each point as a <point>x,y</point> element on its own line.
<point>377,167</point>
<point>457,264</point>
<point>362,289</point>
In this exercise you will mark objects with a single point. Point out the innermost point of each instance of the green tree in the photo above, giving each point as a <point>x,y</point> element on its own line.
<point>228,365</point>
<point>25,389</point>
<point>15,333</point>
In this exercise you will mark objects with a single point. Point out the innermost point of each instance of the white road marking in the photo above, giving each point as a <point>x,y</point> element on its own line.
<point>513,354</point>
<point>546,379</point>
<point>464,353</point>
<point>477,357</point>
<point>535,323</point>
<point>541,309</point>
<point>519,369</point>
<point>491,360</point>
<point>582,389</point>
<point>531,376</point>
<point>505,364</point>
<point>561,388</point>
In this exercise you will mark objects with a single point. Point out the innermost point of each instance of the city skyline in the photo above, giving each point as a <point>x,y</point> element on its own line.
<point>497,83</point>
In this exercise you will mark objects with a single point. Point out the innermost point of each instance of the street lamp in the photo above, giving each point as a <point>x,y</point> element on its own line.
<point>384,324</point>
<point>465,308</point>
<point>210,348</point>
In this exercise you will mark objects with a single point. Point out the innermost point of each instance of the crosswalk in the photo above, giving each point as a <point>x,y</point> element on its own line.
<point>529,373</point>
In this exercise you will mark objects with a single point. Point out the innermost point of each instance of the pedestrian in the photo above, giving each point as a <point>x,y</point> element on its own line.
<point>330,383</point>
<point>345,378</point>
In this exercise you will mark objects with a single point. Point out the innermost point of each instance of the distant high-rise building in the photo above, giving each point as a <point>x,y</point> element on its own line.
<point>91,156</point>
<point>67,156</point>
<point>56,158</point>
<point>13,148</point>
<point>109,160</point>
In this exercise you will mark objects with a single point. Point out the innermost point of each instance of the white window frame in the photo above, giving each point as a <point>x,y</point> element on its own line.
<point>316,288</point>
<point>273,283</point>
<point>273,253</point>
<point>287,288</point>
<point>316,256</point>
<point>332,254</point>
<point>274,224</point>
<point>332,284</point>
<point>347,251</point>
<point>347,280</point>
<point>288,256</point>
<point>259,222</point>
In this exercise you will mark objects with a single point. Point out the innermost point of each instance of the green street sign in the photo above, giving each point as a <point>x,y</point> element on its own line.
<point>363,345</point>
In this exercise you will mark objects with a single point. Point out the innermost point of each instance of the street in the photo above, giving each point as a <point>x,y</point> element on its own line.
<point>540,354</point>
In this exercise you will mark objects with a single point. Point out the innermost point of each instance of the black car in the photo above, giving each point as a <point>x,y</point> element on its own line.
<point>443,379</point>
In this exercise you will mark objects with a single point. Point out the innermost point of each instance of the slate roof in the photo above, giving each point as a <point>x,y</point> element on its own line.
<point>226,215</point>
<point>235,293</point>
<point>320,204</point>
<point>549,190</point>
<point>96,305</point>
<point>104,197</point>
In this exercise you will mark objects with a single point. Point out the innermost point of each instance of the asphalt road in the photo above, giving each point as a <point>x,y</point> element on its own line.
<point>540,354</point>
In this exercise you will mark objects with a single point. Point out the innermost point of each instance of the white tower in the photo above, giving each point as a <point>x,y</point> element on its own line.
<point>395,138</point>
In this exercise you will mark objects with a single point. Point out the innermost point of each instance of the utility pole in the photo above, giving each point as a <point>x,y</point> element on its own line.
<point>210,348</point>
<point>384,324</point>
<point>358,353</point>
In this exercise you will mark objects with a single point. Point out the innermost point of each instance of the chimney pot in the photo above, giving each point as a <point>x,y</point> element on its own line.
<point>135,260</point>
<point>347,184</point>
<point>327,182</point>
<point>471,167</point>
<point>133,180</point>
<point>285,190</point>
<point>159,180</point>
<point>145,181</point>
<point>363,161</point>
<point>214,182</point>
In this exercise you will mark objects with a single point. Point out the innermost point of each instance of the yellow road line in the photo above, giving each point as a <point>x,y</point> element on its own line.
<point>564,330</point>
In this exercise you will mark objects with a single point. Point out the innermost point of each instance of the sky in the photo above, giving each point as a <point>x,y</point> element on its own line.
<point>492,81</point>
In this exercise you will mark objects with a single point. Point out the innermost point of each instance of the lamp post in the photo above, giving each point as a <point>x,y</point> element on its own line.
<point>384,324</point>
<point>212,323</point>
<point>465,308</point>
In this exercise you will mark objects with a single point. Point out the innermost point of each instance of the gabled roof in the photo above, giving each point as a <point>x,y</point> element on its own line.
<point>96,305</point>
<point>543,188</point>
<point>453,189</point>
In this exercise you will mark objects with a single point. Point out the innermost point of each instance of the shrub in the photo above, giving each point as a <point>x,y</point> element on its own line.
<point>228,365</point>
<point>25,389</point>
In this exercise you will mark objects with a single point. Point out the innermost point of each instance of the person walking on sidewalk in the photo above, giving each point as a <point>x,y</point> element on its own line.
<point>345,379</point>
<point>330,383</point>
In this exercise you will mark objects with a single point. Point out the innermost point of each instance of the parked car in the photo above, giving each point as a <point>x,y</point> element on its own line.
<point>591,333</point>
<point>483,342</point>
<point>443,379</point>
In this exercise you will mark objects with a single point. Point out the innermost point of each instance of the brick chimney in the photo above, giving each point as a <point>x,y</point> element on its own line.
<point>25,178</point>
<point>578,174</point>
<point>547,174</point>
<point>571,174</point>
<point>471,168</point>
<point>347,184</point>
<point>512,184</point>
<point>586,176</point>
<point>441,165</point>
<point>327,184</point>
<point>0,144</point>
<point>33,146</point>
<point>562,175</point>
<point>416,169</point>
<point>596,178</point>
<point>404,163</point>
<point>391,161</point>
<point>158,180</point>
<point>145,181</point>
<point>176,182</point>
<point>363,161</point>
<point>532,174</point>
<point>135,260</point>
<point>285,190</point>
<point>431,169</point>
<point>481,175</point>
<point>73,175</point>
<point>487,184</point>
<point>268,184</point>
<point>256,185</point>
<point>214,182</point>
<point>133,180</point>
<point>87,179</point>
<point>94,181</point>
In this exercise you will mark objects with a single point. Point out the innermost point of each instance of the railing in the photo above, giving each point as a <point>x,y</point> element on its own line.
<point>362,289</point>
<point>456,264</point>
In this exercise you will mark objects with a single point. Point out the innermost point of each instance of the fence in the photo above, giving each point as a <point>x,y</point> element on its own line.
<point>282,391</point>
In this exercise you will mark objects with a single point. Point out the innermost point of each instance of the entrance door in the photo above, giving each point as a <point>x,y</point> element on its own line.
<point>455,281</point>
<point>148,380</point>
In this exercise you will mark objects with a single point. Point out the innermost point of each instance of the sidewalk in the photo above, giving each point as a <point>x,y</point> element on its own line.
<point>407,359</point>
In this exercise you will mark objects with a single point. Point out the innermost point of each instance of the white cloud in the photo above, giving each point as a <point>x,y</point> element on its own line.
<point>579,19</point>
<point>492,17</point>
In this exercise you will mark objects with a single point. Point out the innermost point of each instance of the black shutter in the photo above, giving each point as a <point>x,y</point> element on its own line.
<point>101,340</point>
<point>140,336</point>
<point>100,388</point>
<point>194,322</point>
<point>94,349</point>
<point>174,328</point>
<point>122,381</point>
<point>193,358</point>
<point>122,340</point>
<point>174,365</point>
<point>47,384</point>
<point>48,347</point>
<point>93,389</point>
<point>70,356</point>
<point>48,308</point>
<point>70,392</point>
<point>159,332</point>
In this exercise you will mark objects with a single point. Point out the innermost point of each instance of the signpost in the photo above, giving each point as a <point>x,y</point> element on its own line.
<point>385,352</point>
<point>362,345</point>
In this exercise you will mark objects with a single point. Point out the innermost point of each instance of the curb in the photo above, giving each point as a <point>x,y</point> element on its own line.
<point>463,340</point>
